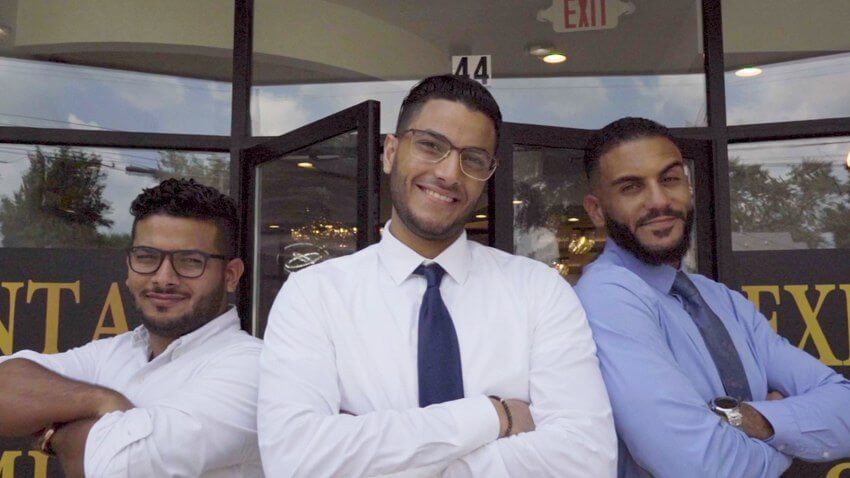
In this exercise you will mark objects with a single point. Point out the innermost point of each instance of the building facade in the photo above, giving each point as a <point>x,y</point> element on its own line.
<point>283,104</point>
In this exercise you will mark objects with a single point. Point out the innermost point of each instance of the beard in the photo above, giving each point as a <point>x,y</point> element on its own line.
<point>625,238</point>
<point>420,228</point>
<point>208,307</point>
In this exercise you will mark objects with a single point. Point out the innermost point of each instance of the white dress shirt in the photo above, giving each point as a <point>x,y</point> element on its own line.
<point>342,335</point>
<point>195,403</point>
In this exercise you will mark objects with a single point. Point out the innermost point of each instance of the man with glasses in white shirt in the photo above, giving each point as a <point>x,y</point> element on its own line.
<point>174,397</point>
<point>429,354</point>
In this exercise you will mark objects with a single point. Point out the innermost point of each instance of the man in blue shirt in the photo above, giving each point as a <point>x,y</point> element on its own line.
<point>700,384</point>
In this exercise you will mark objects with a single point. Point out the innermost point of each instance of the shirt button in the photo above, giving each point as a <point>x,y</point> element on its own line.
<point>825,454</point>
<point>781,447</point>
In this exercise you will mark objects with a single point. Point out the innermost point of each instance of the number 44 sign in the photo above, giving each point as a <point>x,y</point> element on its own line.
<point>476,67</point>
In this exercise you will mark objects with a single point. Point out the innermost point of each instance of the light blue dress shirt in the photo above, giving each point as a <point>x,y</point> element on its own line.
<point>660,378</point>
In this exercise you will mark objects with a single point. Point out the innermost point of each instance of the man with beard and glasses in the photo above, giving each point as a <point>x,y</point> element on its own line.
<point>700,384</point>
<point>428,354</point>
<point>174,397</point>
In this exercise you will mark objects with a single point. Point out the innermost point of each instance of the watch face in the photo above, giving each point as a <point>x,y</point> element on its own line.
<point>725,402</point>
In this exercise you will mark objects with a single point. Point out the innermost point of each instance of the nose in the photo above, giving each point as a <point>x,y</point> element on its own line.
<point>658,198</point>
<point>449,168</point>
<point>165,275</point>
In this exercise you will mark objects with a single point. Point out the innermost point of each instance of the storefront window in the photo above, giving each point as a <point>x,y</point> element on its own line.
<point>550,222</point>
<point>313,58</point>
<point>79,198</point>
<point>126,66</point>
<point>790,194</point>
<point>786,60</point>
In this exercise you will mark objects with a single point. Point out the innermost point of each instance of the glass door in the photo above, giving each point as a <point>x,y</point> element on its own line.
<point>308,196</point>
<point>540,186</point>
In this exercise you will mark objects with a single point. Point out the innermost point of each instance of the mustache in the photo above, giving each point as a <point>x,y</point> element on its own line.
<point>163,290</point>
<point>656,213</point>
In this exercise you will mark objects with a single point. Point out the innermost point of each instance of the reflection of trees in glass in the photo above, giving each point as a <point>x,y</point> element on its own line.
<point>807,201</point>
<point>59,204</point>
<point>209,169</point>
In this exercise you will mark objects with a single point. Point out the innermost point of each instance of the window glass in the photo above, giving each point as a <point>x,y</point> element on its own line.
<point>791,194</point>
<point>786,60</point>
<point>128,66</point>
<point>550,222</point>
<point>75,197</point>
<point>313,58</point>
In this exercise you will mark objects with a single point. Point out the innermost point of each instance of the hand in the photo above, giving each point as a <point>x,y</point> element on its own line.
<point>775,396</point>
<point>521,420</point>
<point>521,414</point>
<point>107,401</point>
<point>755,425</point>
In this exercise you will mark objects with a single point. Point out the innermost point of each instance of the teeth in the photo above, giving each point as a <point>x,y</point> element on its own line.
<point>438,196</point>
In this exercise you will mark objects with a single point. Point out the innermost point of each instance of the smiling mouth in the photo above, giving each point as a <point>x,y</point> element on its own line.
<point>661,220</point>
<point>160,299</point>
<point>439,197</point>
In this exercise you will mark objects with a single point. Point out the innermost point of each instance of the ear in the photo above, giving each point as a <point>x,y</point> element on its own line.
<point>594,210</point>
<point>390,150</point>
<point>232,273</point>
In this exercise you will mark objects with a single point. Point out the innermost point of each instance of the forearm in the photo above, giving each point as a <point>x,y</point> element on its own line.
<point>814,426</point>
<point>69,444</point>
<point>34,397</point>
<point>302,442</point>
<point>561,448</point>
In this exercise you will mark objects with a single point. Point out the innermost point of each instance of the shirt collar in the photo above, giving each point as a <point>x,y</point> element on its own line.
<point>660,277</point>
<point>225,321</point>
<point>400,260</point>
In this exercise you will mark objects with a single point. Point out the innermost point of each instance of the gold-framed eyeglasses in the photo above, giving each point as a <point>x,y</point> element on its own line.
<point>186,263</point>
<point>431,147</point>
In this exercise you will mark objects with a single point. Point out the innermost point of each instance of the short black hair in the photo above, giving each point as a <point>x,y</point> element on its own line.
<point>617,133</point>
<point>453,88</point>
<point>190,199</point>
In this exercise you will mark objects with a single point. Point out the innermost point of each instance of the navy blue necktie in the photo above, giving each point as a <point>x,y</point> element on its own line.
<point>440,376</point>
<point>716,337</point>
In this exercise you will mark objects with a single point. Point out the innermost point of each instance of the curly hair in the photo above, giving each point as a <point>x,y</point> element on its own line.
<point>190,199</point>
<point>617,133</point>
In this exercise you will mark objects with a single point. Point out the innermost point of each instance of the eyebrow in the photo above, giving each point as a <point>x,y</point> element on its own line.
<point>629,179</point>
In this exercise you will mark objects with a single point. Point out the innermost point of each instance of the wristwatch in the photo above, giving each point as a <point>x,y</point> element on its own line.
<point>729,409</point>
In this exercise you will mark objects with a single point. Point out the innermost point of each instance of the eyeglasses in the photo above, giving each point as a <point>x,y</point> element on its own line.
<point>433,148</point>
<point>187,263</point>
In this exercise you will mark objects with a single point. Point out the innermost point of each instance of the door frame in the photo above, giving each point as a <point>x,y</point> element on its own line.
<point>364,118</point>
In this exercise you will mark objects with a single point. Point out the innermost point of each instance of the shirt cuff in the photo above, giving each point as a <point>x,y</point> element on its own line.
<point>110,435</point>
<point>785,427</point>
<point>478,419</point>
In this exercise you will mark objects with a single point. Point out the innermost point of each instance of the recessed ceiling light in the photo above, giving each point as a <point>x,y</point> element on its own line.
<point>573,219</point>
<point>480,216</point>
<point>748,72</point>
<point>539,50</point>
<point>517,201</point>
<point>553,58</point>
<point>274,226</point>
<point>306,164</point>
<point>848,161</point>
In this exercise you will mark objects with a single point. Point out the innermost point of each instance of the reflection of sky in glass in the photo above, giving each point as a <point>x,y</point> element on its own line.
<point>580,102</point>
<point>57,95</point>
<point>53,95</point>
<point>121,187</point>
<point>791,91</point>
<point>778,157</point>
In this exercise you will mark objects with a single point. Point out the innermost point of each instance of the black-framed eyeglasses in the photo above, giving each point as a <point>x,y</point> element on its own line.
<point>431,147</point>
<point>189,264</point>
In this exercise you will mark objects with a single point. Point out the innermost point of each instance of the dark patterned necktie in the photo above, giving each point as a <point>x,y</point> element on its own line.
<point>440,373</point>
<point>716,338</point>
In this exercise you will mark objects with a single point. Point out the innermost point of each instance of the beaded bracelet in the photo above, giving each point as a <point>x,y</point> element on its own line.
<point>507,414</point>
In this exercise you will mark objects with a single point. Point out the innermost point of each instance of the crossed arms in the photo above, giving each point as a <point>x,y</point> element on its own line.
<point>302,433</point>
